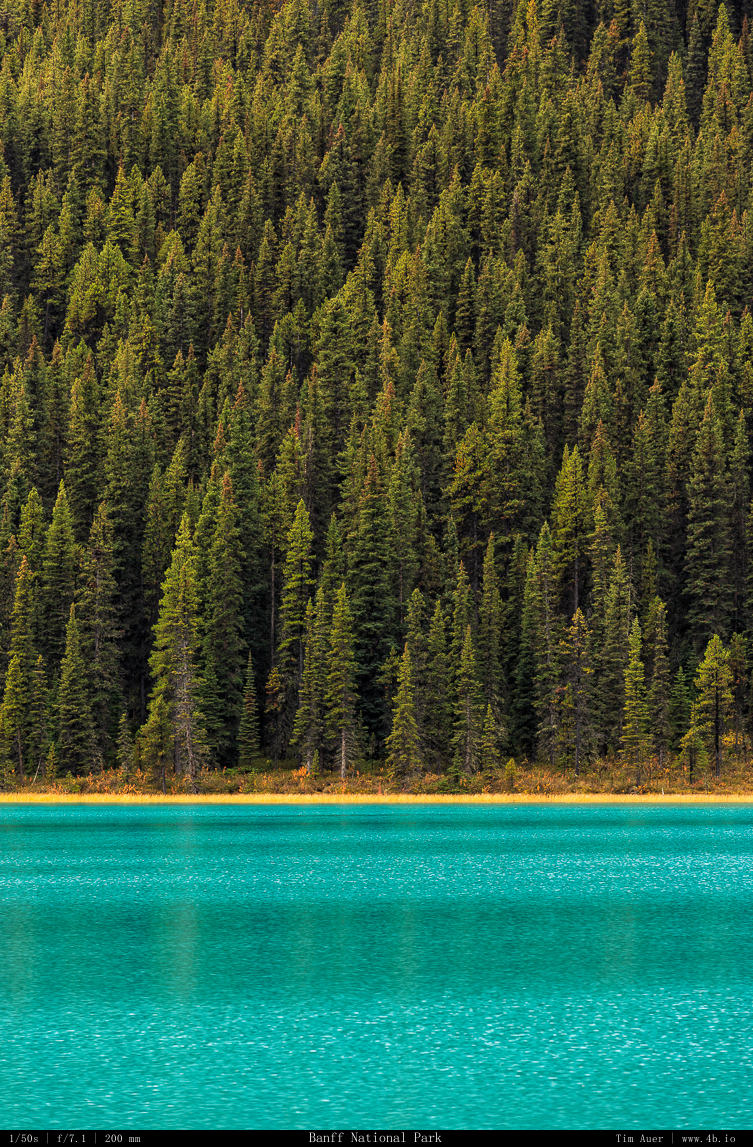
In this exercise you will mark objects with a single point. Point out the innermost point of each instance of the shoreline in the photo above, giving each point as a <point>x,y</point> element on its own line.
<point>375,798</point>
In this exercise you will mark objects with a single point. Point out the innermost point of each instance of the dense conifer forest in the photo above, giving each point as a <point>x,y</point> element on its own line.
<point>376,385</point>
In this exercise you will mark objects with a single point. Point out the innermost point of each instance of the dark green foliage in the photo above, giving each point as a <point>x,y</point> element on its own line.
<point>174,733</point>
<point>223,645</point>
<point>58,579</point>
<point>99,633</point>
<point>410,298</point>
<point>709,585</point>
<point>297,584</point>
<point>340,697</point>
<point>404,756</point>
<point>469,712</point>
<point>576,728</point>
<point>635,710</point>
<point>74,726</point>
<point>248,733</point>
<point>308,730</point>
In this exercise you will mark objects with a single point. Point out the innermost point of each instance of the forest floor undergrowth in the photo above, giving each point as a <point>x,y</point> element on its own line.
<point>602,780</point>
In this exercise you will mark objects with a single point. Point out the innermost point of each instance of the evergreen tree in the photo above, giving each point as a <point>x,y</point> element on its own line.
<point>541,635</point>
<point>297,583</point>
<point>659,686</point>
<point>174,730</point>
<point>75,741</point>
<point>341,696</point>
<point>490,631</point>
<point>469,713</point>
<point>575,721</point>
<point>99,634</point>
<point>308,729</point>
<point>404,757</point>
<point>635,711</point>
<point>58,579</point>
<point>248,733</point>
<point>713,703</point>
<point>708,548</point>
<point>222,660</point>
<point>437,694</point>
<point>489,750</point>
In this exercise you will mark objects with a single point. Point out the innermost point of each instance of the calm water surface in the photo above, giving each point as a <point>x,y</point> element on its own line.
<point>423,966</point>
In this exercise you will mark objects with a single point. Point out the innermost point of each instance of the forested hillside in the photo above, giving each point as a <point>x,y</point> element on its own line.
<point>377,383</point>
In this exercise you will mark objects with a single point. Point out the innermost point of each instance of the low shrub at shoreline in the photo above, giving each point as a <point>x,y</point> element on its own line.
<point>604,778</point>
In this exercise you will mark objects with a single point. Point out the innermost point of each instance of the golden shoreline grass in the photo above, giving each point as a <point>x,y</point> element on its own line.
<point>373,798</point>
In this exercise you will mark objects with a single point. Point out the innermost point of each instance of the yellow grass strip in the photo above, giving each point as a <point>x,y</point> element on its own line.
<point>375,798</point>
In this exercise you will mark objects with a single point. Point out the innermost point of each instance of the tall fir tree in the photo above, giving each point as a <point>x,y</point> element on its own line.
<point>404,756</point>
<point>174,733</point>
<point>341,696</point>
<point>75,740</point>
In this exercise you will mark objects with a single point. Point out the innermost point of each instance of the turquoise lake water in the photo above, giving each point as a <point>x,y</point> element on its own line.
<point>376,966</point>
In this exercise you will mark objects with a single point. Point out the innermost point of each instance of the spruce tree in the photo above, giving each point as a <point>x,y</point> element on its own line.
<point>222,651</point>
<point>75,740</point>
<point>174,729</point>
<point>297,584</point>
<point>490,632</point>
<point>341,696</point>
<point>308,728</point>
<point>708,548</point>
<point>438,694</point>
<point>469,712</point>
<point>658,697</point>
<point>14,747</point>
<point>635,710</point>
<point>612,656</point>
<point>248,733</point>
<point>713,704</point>
<point>58,579</point>
<point>99,631</point>
<point>489,755</point>
<point>576,732</point>
<point>404,756</point>
<point>541,626</point>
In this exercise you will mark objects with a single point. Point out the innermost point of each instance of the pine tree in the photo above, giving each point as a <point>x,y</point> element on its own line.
<point>659,686</point>
<point>58,579</point>
<point>125,746</point>
<point>469,712</point>
<point>222,651</point>
<point>404,756</point>
<point>635,710</point>
<point>540,638</point>
<point>75,741</point>
<point>341,697</point>
<point>99,633</point>
<point>489,757</point>
<point>490,632</point>
<point>174,729</point>
<point>713,703</point>
<point>437,693</point>
<point>297,584</point>
<point>373,602</point>
<point>13,723</point>
<point>576,733</point>
<point>83,452</point>
<point>308,729</point>
<point>568,525</point>
<point>32,531</point>
<point>248,733</point>
<point>708,547</point>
